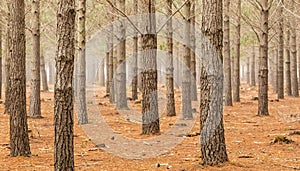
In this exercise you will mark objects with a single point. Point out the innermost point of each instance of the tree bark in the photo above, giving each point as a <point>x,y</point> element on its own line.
<point>186,79</point>
<point>253,79</point>
<point>35,88</point>
<point>1,54</point>
<point>170,69</point>
<point>63,89</point>
<point>213,147</point>
<point>236,74</point>
<point>288,83</point>
<point>121,71</point>
<point>107,85</point>
<point>81,85</point>
<point>227,60</point>
<point>19,141</point>
<point>248,70</point>
<point>293,43</point>
<point>135,58</point>
<point>263,62</point>
<point>280,86</point>
<point>7,64</point>
<point>44,74</point>
<point>150,117</point>
<point>101,72</point>
<point>194,92</point>
<point>275,88</point>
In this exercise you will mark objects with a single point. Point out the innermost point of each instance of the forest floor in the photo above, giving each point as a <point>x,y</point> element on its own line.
<point>248,139</point>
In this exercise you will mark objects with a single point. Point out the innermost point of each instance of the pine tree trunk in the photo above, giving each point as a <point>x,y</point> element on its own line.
<point>186,79</point>
<point>194,92</point>
<point>81,85</point>
<point>288,84</point>
<point>135,58</point>
<point>107,85</point>
<point>294,78</point>
<point>35,88</point>
<point>101,73</point>
<point>248,70</point>
<point>236,74</point>
<point>19,141</point>
<point>63,90</point>
<point>263,62</point>
<point>121,71</point>
<point>280,86</point>
<point>150,117</point>
<point>44,74</point>
<point>227,60</point>
<point>213,147</point>
<point>111,67</point>
<point>1,54</point>
<point>7,64</point>
<point>275,88</point>
<point>253,79</point>
<point>170,69</point>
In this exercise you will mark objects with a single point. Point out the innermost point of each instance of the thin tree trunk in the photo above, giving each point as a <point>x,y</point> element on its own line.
<point>193,51</point>
<point>213,147</point>
<point>227,60</point>
<point>7,64</point>
<point>293,43</point>
<point>107,85</point>
<point>1,54</point>
<point>186,79</point>
<point>111,68</point>
<point>135,58</point>
<point>248,70</point>
<point>121,71</point>
<point>236,74</point>
<point>253,79</point>
<point>19,140</point>
<point>35,88</point>
<point>288,84</point>
<point>280,72</point>
<point>263,62</point>
<point>63,90</point>
<point>150,117</point>
<point>51,72</point>
<point>275,88</point>
<point>170,69</point>
<point>82,111</point>
<point>43,74</point>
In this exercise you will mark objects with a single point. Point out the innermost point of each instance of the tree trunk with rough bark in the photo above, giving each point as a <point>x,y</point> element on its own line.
<point>280,72</point>
<point>1,54</point>
<point>35,88</point>
<point>253,79</point>
<point>186,79</point>
<point>263,62</point>
<point>288,84</point>
<point>293,43</point>
<point>170,69</point>
<point>150,117</point>
<point>227,60</point>
<point>121,64</point>
<point>194,92</point>
<point>19,140</point>
<point>81,77</point>
<point>135,58</point>
<point>63,89</point>
<point>236,74</point>
<point>213,147</point>
<point>7,64</point>
<point>43,74</point>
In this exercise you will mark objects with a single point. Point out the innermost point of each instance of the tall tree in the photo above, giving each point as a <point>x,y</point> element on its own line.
<point>248,70</point>
<point>81,84</point>
<point>170,68</point>
<point>111,69</point>
<point>7,63</point>
<point>253,79</point>
<point>107,87</point>
<point>213,147</point>
<point>150,117</point>
<point>280,72</point>
<point>63,89</point>
<point>236,74</point>
<point>263,62</point>
<point>19,141</point>
<point>35,88</point>
<point>1,54</point>
<point>288,84</point>
<point>193,50</point>
<point>293,43</point>
<point>135,57</point>
<point>121,71</point>
<point>44,74</point>
<point>186,79</point>
<point>227,60</point>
